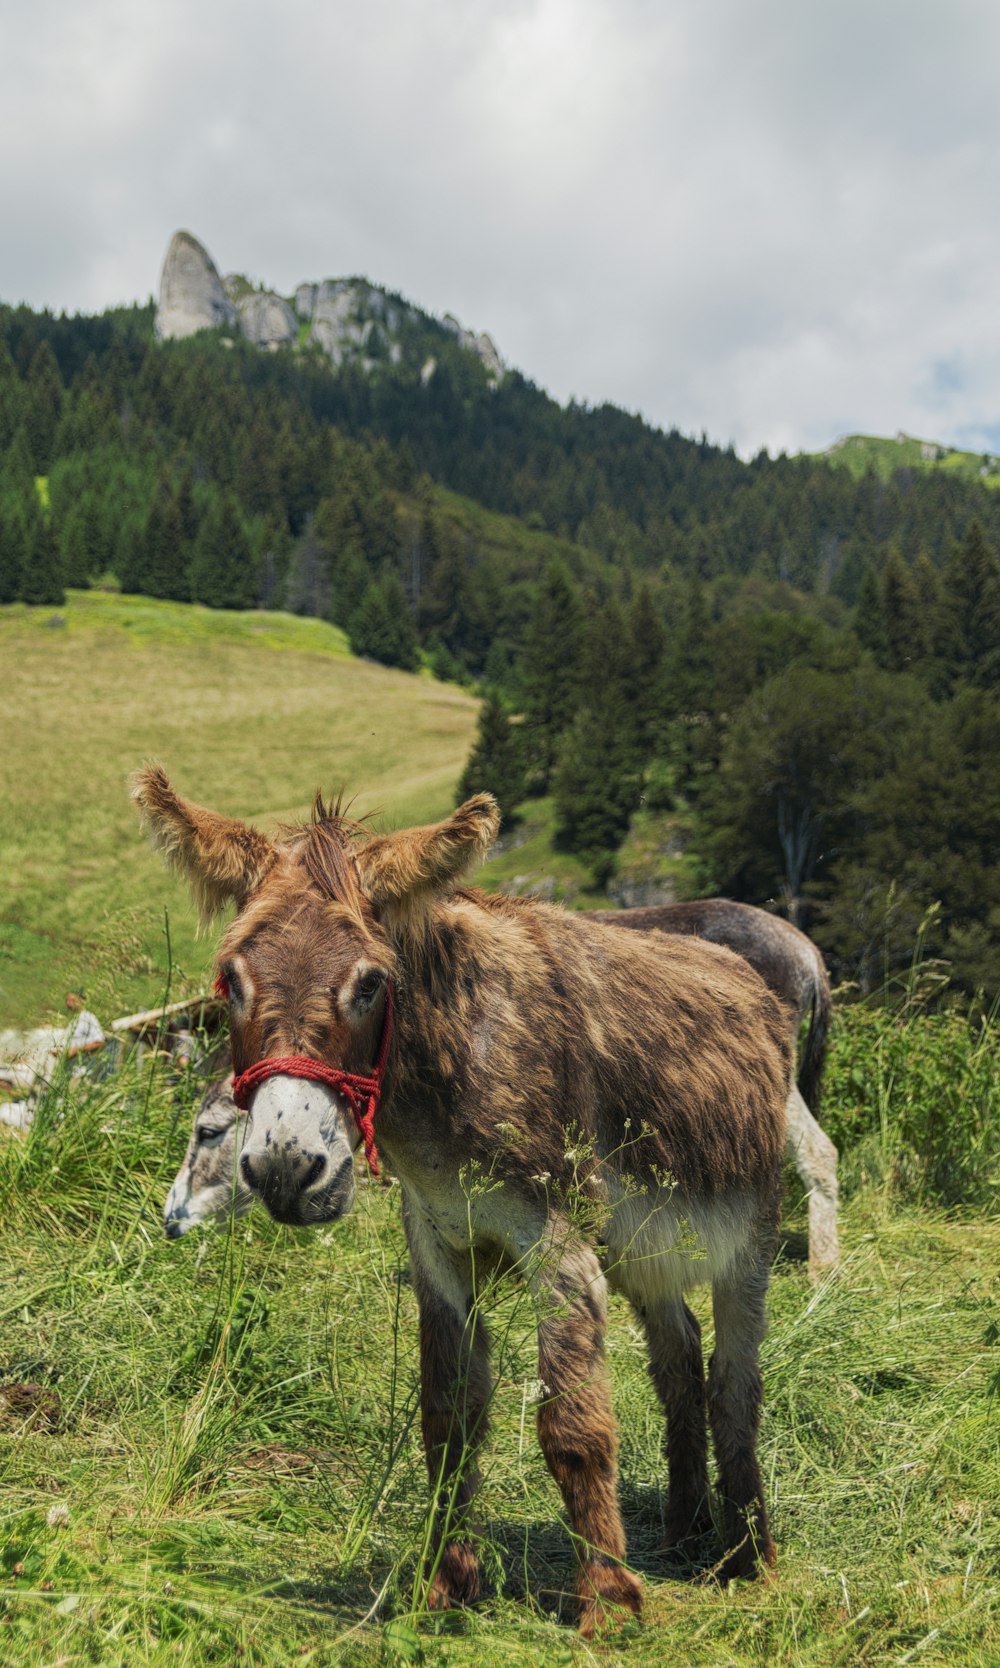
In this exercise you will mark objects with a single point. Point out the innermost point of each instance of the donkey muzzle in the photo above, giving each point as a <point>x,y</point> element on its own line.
<point>297,1157</point>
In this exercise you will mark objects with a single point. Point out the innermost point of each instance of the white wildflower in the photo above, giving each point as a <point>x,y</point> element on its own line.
<point>58,1517</point>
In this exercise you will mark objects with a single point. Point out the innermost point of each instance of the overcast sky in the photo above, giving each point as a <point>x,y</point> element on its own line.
<point>774,220</point>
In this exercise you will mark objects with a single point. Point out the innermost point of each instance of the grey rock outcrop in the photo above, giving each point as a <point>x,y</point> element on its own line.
<point>348,319</point>
<point>267,320</point>
<point>483,346</point>
<point>192,296</point>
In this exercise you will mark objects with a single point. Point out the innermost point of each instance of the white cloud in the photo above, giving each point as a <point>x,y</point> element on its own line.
<point>768,220</point>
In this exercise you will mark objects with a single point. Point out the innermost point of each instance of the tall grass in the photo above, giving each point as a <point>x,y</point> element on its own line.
<point>220,1460</point>
<point>913,1093</point>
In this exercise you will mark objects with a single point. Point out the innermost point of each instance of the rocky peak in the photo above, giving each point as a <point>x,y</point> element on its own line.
<point>192,296</point>
<point>348,319</point>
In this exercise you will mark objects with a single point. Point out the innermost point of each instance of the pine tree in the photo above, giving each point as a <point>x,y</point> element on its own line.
<point>647,642</point>
<point>494,765</point>
<point>222,573</point>
<point>869,620</point>
<point>165,556</point>
<point>906,640</point>
<point>381,628</point>
<point>80,541</point>
<point>42,580</point>
<point>972,610</point>
<point>595,790</point>
<point>13,549</point>
<point>550,669</point>
<point>43,403</point>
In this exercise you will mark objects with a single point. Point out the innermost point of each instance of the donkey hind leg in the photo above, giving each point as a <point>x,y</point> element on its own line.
<point>677,1370</point>
<point>576,1425</point>
<point>735,1393</point>
<point>455,1390</point>
<point>815,1158</point>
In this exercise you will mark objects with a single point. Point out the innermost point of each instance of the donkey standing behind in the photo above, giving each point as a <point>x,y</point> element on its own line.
<point>209,1186</point>
<point>577,1071</point>
<point>793,968</point>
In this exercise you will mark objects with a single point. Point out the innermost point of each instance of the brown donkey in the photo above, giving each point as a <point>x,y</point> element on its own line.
<point>546,1087</point>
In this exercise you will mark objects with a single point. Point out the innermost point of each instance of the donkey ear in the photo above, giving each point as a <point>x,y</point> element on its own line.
<point>403,873</point>
<point>223,860</point>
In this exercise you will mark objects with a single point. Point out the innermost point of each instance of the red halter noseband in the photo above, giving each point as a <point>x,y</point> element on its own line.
<point>354,1086</point>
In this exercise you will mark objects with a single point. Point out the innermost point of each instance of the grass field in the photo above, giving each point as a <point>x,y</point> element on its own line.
<point>861,452</point>
<point>249,712</point>
<point>220,1461</point>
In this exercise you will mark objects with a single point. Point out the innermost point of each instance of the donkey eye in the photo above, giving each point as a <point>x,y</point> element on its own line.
<point>368,987</point>
<point>205,1135</point>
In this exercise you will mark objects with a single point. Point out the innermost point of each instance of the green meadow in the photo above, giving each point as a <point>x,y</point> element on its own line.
<point>249,712</point>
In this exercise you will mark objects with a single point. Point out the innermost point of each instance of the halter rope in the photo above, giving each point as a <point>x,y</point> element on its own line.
<point>354,1086</point>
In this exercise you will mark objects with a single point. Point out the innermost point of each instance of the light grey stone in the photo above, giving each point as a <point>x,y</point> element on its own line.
<point>192,296</point>
<point>267,320</point>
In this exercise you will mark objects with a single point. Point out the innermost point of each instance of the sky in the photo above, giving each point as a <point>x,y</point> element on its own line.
<point>774,221</point>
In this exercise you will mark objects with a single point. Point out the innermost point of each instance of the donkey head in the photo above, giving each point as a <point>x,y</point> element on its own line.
<point>208,1184</point>
<point>307,964</point>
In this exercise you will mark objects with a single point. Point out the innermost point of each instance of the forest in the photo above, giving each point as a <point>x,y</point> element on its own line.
<point>798,666</point>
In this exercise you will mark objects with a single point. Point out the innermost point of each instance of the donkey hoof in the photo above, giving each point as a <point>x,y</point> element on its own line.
<point>754,1557</point>
<point>456,1579</point>
<point>610,1596</point>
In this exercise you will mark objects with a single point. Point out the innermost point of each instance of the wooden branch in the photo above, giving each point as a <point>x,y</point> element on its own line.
<point>152,1016</point>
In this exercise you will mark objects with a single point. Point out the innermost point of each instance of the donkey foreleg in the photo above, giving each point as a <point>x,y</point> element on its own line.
<point>455,1390</point>
<point>815,1158</point>
<point>576,1425</point>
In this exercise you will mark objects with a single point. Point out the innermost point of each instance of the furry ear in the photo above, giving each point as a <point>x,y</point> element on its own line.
<point>223,860</point>
<point>401,874</point>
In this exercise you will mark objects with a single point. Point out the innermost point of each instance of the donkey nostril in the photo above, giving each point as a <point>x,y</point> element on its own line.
<point>314,1172</point>
<point>247,1169</point>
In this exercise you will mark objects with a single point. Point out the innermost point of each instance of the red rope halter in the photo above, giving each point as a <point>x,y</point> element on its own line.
<point>354,1086</point>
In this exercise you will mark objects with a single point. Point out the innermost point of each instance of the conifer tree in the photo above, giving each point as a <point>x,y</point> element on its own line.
<point>41,580</point>
<point>43,403</point>
<point>165,556</point>
<point>869,620</point>
<point>222,572</point>
<point>972,610</point>
<point>13,549</point>
<point>906,643</point>
<point>494,765</point>
<point>647,646</point>
<point>550,669</point>
<point>381,628</point>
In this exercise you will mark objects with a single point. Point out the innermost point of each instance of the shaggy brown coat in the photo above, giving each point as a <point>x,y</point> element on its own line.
<point>623,1098</point>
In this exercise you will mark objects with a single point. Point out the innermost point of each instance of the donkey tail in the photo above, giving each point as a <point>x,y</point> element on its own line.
<point>814,1051</point>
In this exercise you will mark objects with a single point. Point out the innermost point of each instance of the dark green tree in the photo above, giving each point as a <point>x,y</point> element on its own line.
<point>381,628</point>
<point>13,549</point>
<point>43,404</point>
<point>494,765</point>
<point>551,669</point>
<point>223,571</point>
<point>971,582</point>
<point>41,579</point>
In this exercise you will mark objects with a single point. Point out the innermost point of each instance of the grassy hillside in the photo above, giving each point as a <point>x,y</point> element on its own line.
<point>250,712</point>
<point>861,452</point>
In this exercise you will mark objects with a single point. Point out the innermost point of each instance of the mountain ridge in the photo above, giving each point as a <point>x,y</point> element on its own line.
<point>349,320</point>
